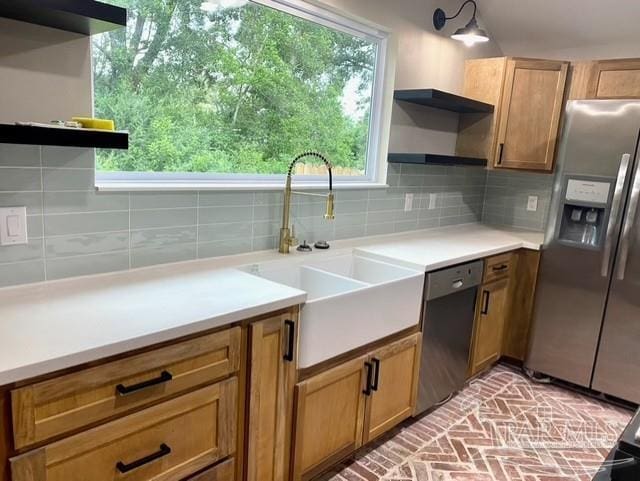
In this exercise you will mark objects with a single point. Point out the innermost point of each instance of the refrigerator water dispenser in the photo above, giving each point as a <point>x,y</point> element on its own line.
<point>584,210</point>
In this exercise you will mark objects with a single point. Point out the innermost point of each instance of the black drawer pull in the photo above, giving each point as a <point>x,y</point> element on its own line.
<point>501,151</point>
<point>367,389</point>
<point>500,267</point>
<point>485,308</point>
<point>125,468</point>
<point>291,331</point>
<point>376,378</point>
<point>165,376</point>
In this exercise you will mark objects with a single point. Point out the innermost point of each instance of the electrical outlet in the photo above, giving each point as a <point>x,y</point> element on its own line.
<point>433,200</point>
<point>408,202</point>
<point>532,203</point>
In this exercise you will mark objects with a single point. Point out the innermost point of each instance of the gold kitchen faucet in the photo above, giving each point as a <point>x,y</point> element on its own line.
<point>287,239</point>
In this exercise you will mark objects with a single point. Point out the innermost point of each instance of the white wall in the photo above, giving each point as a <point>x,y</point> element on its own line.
<point>585,52</point>
<point>424,59</point>
<point>45,74</point>
<point>564,29</point>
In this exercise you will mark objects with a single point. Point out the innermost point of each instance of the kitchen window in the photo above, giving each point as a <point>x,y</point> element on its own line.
<point>225,93</point>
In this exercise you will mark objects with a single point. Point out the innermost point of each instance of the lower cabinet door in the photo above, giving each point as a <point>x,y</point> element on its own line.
<point>166,442</point>
<point>329,417</point>
<point>489,325</point>
<point>394,387</point>
<point>272,380</point>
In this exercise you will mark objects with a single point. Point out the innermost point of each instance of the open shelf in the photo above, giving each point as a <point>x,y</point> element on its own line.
<point>424,159</point>
<point>34,135</point>
<point>443,100</point>
<point>86,17</point>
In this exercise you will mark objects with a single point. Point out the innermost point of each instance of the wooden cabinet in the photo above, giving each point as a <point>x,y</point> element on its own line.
<point>271,382</point>
<point>606,79</point>
<point>483,81</point>
<point>530,114</point>
<point>522,288</point>
<point>523,130</point>
<point>329,417</point>
<point>63,404</point>
<point>167,442</point>
<point>498,267</point>
<point>223,471</point>
<point>489,325</point>
<point>395,383</point>
<point>504,309</point>
<point>340,409</point>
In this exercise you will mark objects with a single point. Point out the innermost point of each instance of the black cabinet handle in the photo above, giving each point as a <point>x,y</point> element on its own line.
<point>485,307</point>
<point>125,468</point>
<point>165,376</point>
<point>501,151</point>
<point>367,389</point>
<point>376,378</point>
<point>291,330</point>
<point>499,268</point>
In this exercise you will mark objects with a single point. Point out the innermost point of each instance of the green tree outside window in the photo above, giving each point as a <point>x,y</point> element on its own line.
<point>237,90</point>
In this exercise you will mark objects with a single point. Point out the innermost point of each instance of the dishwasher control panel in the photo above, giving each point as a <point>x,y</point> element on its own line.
<point>447,281</point>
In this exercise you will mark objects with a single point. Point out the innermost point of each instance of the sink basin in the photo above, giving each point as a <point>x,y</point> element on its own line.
<point>352,301</point>
<point>363,269</point>
<point>316,283</point>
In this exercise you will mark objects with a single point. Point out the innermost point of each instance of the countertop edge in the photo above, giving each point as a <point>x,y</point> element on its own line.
<point>50,366</point>
<point>453,261</point>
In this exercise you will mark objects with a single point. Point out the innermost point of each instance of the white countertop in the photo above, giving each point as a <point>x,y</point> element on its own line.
<point>440,248</point>
<point>54,325</point>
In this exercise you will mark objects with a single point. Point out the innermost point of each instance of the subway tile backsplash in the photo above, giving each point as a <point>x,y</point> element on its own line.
<point>506,195</point>
<point>74,230</point>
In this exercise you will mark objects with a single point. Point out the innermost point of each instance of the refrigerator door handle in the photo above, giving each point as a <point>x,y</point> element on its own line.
<point>629,222</point>
<point>613,216</point>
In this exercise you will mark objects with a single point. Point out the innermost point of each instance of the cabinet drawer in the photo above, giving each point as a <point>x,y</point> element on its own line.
<point>224,471</point>
<point>51,408</point>
<point>497,267</point>
<point>166,442</point>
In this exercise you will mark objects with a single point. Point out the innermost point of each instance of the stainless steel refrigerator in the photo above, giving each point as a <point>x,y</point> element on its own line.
<point>586,327</point>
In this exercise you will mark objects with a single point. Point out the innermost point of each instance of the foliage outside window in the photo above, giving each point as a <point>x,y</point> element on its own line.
<point>235,89</point>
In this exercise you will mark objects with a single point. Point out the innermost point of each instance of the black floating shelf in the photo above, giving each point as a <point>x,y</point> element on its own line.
<point>425,159</point>
<point>33,135</point>
<point>86,17</point>
<point>443,100</point>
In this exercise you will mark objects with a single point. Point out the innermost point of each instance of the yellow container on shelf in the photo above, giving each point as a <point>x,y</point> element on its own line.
<point>91,123</point>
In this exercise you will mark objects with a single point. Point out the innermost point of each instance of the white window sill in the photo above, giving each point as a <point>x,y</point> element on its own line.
<point>105,186</point>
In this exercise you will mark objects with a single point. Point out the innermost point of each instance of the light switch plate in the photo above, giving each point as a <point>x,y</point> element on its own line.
<point>408,202</point>
<point>532,203</point>
<point>13,226</point>
<point>433,200</point>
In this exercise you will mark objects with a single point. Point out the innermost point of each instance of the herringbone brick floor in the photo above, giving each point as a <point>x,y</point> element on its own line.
<point>502,427</point>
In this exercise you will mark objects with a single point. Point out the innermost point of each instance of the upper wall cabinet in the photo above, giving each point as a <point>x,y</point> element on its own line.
<point>606,79</point>
<point>523,131</point>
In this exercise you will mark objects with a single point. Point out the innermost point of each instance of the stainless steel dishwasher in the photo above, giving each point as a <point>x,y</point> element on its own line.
<point>447,325</point>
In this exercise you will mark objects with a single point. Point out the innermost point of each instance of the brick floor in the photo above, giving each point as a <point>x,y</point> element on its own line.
<point>501,427</point>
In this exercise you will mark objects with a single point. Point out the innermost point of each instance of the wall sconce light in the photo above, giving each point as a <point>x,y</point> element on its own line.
<point>470,34</point>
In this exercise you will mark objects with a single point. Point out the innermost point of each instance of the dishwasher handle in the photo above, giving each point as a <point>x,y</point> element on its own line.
<point>453,279</point>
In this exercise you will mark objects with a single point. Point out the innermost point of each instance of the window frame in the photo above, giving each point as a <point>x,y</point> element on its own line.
<point>375,168</point>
